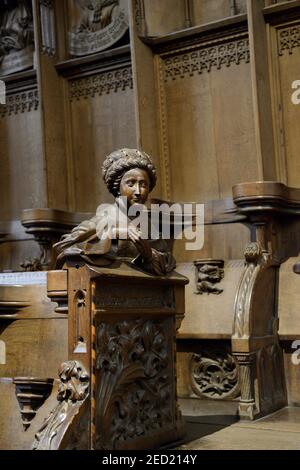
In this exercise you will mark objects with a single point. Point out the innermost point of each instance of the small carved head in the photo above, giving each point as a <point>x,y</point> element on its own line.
<point>124,161</point>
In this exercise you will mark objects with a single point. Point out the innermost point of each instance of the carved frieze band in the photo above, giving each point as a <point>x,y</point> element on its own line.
<point>102,83</point>
<point>288,39</point>
<point>203,59</point>
<point>20,103</point>
<point>48,27</point>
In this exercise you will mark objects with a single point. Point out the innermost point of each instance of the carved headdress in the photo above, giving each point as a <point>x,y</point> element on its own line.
<point>119,162</point>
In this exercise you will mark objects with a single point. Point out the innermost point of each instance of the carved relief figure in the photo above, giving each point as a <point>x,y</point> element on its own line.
<point>16,26</point>
<point>96,14</point>
<point>130,176</point>
<point>207,276</point>
<point>16,36</point>
<point>96,25</point>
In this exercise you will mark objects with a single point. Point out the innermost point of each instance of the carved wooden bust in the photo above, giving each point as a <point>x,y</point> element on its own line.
<point>116,231</point>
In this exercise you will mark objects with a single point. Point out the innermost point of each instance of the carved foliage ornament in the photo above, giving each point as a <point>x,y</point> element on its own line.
<point>102,83</point>
<point>203,59</point>
<point>73,391</point>
<point>214,375</point>
<point>134,392</point>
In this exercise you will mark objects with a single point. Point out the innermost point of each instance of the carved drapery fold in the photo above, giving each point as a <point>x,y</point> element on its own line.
<point>72,393</point>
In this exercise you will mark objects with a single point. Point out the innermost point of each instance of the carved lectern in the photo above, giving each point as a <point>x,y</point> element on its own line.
<point>122,340</point>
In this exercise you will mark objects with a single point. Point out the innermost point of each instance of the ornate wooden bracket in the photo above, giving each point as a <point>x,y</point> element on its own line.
<point>255,341</point>
<point>47,226</point>
<point>72,394</point>
<point>31,394</point>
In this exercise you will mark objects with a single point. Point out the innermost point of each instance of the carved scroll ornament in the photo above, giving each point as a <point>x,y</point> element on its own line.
<point>73,391</point>
<point>214,375</point>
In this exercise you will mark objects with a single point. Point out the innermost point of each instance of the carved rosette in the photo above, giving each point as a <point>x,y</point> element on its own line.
<point>134,377</point>
<point>214,375</point>
<point>72,393</point>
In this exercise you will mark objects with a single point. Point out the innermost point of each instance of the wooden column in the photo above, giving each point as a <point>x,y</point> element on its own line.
<point>261,92</point>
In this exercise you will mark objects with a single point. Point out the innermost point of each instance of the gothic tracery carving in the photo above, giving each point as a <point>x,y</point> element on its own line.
<point>99,84</point>
<point>203,59</point>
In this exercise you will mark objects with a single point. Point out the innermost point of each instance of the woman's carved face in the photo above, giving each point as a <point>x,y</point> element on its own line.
<point>135,185</point>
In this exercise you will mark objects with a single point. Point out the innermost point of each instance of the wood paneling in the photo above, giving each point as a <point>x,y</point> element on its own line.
<point>164,17</point>
<point>100,124</point>
<point>288,57</point>
<point>22,175</point>
<point>208,132</point>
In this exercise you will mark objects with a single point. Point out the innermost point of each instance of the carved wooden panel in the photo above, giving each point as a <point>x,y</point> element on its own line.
<point>102,119</point>
<point>205,11</point>
<point>138,296</point>
<point>287,58</point>
<point>95,25</point>
<point>22,169</point>
<point>134,381</point>
<point>16,36</point>
<point>206,121</point>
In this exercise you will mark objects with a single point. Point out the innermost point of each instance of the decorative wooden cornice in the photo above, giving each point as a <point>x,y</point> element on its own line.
<point>282,12</point>
<point>216,30</point>
<point>265,197</point>
<point>95,63</point>
<point>288,39</point>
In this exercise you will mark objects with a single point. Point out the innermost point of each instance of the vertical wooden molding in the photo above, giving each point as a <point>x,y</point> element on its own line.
<point>140,16</point>
<point>278,123</point>
<point>233,8</point>
<point>264,135</point>
<point>48,33</point>
<point>165,162</point>
<point>188,13</point>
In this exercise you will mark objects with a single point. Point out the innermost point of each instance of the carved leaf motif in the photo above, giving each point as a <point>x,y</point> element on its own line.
<point>73,390</point>
<point>215,376</point>
<point>134,389</point>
